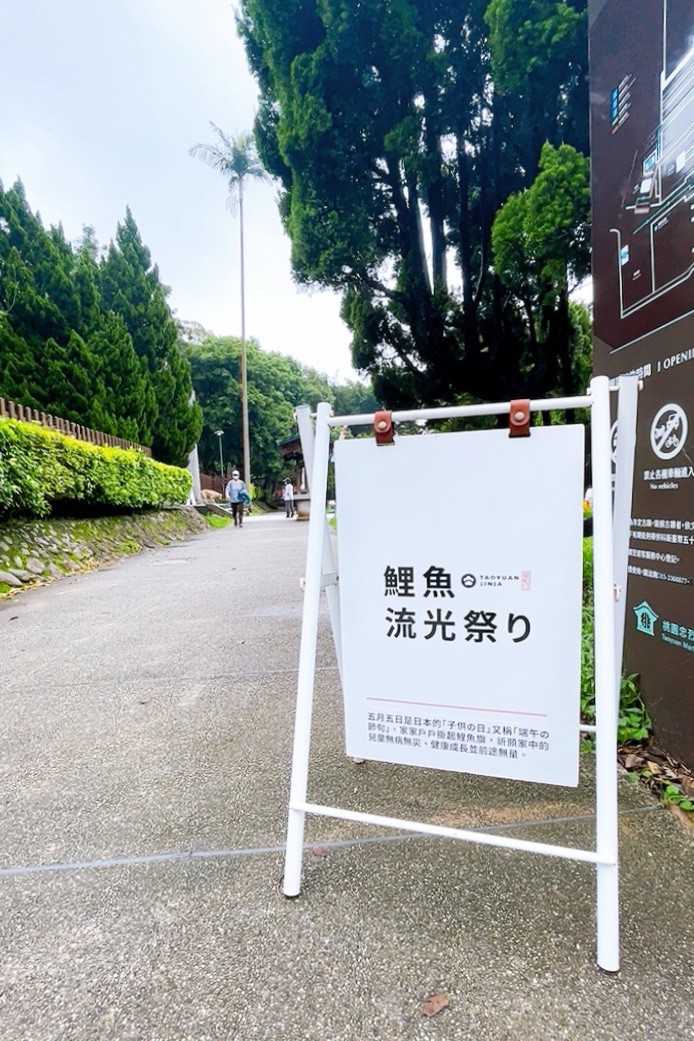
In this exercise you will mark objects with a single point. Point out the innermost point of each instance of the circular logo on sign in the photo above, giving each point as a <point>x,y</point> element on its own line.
<point>669,431</point>
<point>468,581</point>
<point>613,441</point>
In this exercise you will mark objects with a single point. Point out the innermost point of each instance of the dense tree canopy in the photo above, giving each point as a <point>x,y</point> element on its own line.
<point>91,340</point>
<point>276,385</point>
<point>398,130</point>
<point>131,289</point>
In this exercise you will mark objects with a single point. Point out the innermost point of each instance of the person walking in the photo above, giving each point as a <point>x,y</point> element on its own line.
<point>237,495</point>
<point>288,496</point>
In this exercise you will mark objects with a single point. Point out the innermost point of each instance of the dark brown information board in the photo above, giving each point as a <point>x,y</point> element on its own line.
<point>642,145</point>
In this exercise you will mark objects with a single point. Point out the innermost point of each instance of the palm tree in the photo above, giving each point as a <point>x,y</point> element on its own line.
<point>236,158</point>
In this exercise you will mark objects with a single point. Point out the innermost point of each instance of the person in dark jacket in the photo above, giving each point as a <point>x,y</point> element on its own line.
<point>236,493</point>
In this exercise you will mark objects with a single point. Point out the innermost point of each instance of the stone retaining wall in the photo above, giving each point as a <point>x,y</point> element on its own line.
<point>39,551</point>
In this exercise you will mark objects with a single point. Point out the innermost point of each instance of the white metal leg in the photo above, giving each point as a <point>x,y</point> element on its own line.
<point>307,437</point>
<point>605,704</point>
<point>608,917</point>
<point>307,658</point>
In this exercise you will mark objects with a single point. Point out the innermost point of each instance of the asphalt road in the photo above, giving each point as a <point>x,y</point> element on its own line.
<point>145,739</point>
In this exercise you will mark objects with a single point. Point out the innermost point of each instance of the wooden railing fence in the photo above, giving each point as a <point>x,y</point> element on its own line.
<point>11,410</point>
<point>212,482</point>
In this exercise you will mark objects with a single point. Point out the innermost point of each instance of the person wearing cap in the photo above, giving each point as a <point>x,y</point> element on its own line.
<point>235,492</point>
<point>288,496</point>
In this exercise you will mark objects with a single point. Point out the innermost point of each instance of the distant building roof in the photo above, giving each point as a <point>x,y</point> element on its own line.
<point>290,447</point>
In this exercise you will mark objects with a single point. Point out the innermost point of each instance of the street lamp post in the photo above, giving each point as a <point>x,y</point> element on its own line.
<point>220,434</point>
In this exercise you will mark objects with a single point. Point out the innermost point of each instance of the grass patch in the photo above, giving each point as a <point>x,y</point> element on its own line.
<point>215,521</point>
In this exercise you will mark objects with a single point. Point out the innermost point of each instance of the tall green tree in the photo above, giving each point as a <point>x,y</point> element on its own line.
<point>354,398</point>
<point>128,398</point>
<point>131,288</point>
<point>236,159</point>
<point>539,57</point>
<point>277,384</point>
<point>395,147</point>
<point>92,341</point>
<point>541,251</point>
<point>46,362</point>
<point>70,385</point>
<point>18,369</point>
<point>37,290</point>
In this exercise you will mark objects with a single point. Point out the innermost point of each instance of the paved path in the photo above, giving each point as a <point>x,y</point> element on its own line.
<point>145,738</point>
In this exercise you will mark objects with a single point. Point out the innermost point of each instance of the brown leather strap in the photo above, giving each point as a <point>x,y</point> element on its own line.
<point>383,428</point>
<point>519,423</point>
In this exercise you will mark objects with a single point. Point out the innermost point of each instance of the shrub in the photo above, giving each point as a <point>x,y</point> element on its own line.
<point>42,471</point>
<point>634,722</point>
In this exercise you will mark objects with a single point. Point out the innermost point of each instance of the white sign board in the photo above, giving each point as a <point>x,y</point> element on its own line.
<point>460,560</point>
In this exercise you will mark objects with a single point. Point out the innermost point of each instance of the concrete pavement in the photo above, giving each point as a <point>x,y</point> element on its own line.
<point>145,731</point>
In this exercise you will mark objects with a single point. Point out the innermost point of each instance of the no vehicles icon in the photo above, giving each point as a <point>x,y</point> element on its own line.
<point>669,431</point>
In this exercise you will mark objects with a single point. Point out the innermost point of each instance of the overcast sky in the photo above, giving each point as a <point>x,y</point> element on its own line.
<point>100,101</point>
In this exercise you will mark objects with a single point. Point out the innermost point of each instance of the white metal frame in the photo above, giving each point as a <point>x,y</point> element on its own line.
<point>610,553</point>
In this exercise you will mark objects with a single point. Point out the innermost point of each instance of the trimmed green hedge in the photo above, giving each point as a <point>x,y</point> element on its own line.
<point>42,471</point>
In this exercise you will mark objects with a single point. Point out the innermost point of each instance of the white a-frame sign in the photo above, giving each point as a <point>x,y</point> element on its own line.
<point>458,629</point>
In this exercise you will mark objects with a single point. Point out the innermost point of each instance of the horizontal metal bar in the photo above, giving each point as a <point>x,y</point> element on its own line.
<point>463,411</point>
<point>564,852</point>
<point>587,728</point>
